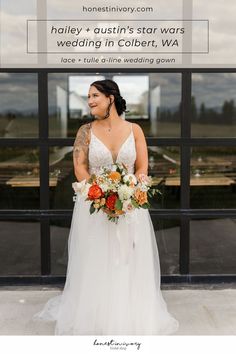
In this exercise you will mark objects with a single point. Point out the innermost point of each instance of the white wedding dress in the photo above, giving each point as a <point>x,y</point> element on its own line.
<point>113,275</point>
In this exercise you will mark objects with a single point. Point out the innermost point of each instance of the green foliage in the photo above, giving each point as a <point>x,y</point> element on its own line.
<point>118,204</point>
<point>92,178</point>
<point>135,204</point>
<point>114,219</point>
<point>145,206</point>
<point>92,209</point>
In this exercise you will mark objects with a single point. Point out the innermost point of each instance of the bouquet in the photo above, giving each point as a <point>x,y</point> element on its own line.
<point>116,192</point>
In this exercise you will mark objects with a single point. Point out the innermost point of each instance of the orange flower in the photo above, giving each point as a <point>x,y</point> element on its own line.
<point>119,212</point>
<point>114,175</point>
<point>140,196</point>
<point>95,192</point>
<point>113,213</point>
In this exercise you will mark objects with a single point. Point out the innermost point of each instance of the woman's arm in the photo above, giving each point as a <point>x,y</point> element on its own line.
<point>80,153</point>
<point>141,163</point>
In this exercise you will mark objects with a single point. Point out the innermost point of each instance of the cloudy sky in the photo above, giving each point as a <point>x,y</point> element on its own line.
<point>19,91</point>
<point>220,13</point>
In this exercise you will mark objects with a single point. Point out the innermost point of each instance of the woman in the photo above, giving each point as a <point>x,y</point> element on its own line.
<point>113,275</point>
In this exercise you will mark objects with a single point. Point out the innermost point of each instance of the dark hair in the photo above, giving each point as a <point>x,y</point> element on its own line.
<point>110,87</point>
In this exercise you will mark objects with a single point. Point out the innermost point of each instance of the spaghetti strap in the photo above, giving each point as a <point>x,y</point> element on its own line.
<point>90,128</point>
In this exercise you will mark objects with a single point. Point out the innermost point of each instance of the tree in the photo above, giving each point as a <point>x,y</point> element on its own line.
<point>193,109</point>
<point>228,111</point>
<point>202,113</point>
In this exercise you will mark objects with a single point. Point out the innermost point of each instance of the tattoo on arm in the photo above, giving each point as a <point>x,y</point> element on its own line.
<point>82,142</point>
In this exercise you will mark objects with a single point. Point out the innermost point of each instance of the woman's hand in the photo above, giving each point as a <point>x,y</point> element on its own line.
<point>141,177</point>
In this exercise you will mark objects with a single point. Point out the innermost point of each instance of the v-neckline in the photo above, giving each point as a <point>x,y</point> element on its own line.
<point>114,161</point>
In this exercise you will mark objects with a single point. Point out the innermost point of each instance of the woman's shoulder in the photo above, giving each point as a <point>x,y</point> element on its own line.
<point>137,129</point>
<point>83,134</point>
<point>136,126</point>
<point>85,126</point>
<point>84,129</point>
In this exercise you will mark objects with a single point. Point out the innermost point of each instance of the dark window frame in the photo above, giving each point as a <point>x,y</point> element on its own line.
<point>184,142</point>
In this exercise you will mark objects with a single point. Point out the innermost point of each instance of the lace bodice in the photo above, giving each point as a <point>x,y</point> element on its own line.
<point>99,155</point>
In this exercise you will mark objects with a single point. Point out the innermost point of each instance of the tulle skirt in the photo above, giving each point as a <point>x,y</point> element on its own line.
<point>113,278</point>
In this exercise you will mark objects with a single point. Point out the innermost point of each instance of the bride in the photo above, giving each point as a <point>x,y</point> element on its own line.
<point>113,274</point>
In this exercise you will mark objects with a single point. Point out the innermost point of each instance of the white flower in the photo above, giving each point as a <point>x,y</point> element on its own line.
<point>104,187</point>
<point>143,187</point>
<point>144,179</point>
<point>85,189</point>
<point>125,192</point>
<point>130,178</point>
<point>81,187</point>
<point>127,206</point>
<point>78,185</point>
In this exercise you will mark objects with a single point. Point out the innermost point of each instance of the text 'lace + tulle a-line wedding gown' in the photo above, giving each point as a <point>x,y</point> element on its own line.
<point>113,274</point>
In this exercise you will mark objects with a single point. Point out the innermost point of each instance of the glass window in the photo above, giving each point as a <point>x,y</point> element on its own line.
<point>67,100</point>
<point>213,177</point>
<point>20,247</point>
<point>18,105</point>
<point>134,89</point>
<point>19,178</point>
<point>165,103</point>
<point>213,105</point>
<point>61,177</point>
<point>164,167</point>
<point>78,88</point>
<point>167,236</point>
<point>153,100</point>
<point>59,231</point>
<point>212,246</point>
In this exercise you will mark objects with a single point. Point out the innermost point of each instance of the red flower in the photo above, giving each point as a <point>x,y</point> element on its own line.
<point>95,192</point>
<point>111,201</point>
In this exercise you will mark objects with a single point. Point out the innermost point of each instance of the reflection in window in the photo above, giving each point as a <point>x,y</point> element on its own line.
<point>18,105</point>
<point>213,177</point>
<point>165,98</point>
<point>153,101</point>
<point>167,237</point>
<point>61,177</point>
<point>78,97</point>
<point>135,90</point>
<point>213,105</point>
<point>164,167</point>
<point>19,178</point>
<point>68,107</point>
<point>59,232</point>
<point>20,247</point>
<point>57,104</point>
<point>212,246</point>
